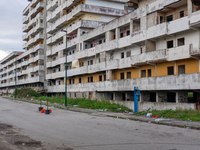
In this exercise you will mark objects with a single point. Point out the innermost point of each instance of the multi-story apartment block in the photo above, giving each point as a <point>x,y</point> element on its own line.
<point>115,45</point>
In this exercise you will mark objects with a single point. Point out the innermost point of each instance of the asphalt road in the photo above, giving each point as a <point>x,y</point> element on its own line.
<point>67,130</point>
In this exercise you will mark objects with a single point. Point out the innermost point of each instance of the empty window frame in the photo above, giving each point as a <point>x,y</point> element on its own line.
<point>181,41</point>
<point>161,19</point>
<point>169,18</point>
<point>128,33</point>
<point>122,55</point>
<point>170,44</point>
<point>100,41</point>
<point>128,75</point>
<point>128,54</point>
<point>181,14</point>
<point>104,77</point>
<point>100,78</point>
<point>91,62</point>
<point>170,70</point>
<point>143,73</point>
<point>91,45</point>
<point>181,69</point>
<point>80,80</point>
<point>91,79</point>
<point>121,76</point>
<point>149,72</point>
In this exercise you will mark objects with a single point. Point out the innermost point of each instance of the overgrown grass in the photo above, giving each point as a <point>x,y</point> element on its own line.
<point>26,93</point>
<point>193,115</point>
<point>86,103</point>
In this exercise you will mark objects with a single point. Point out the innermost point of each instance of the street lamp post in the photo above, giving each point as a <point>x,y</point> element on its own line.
<point>65,70</point>
<point>16,77</point>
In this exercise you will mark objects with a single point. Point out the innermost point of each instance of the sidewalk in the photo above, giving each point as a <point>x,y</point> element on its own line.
<point>162,121</point>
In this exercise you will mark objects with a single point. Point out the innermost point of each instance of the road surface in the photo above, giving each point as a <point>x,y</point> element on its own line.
<point>67,130</point>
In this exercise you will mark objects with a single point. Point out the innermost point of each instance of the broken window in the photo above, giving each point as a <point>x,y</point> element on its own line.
<point>91,79</point>
<point>91,62</point>
<point>104,77</point>
<point>170,70</point>
<point>181,69</point>
<point>169,18</point>
<point>161,19</point>
<point>128,75</point>
<point>79,80</point>
<point>128,33</point>
<point>128,54</point>
<point>121,35</point>
<point>122,55</point>
<point>170,44</point>
<point>121,76</point>
<point>181,14</point>
<point>149,72</point>
<point>143,73</point>
<point>181,41</point>
<point>100,78</point>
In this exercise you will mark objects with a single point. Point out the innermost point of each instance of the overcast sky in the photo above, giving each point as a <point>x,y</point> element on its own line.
<point>11,25</point>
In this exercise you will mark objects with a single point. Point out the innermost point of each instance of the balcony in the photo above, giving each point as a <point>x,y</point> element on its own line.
<point>157,31</point>
<point>25,37</point>
<point>39,47</point>
<point>56,89</point>
<point>172,82</point>
<point>58,48</point>
<point>39,27</point>
<point>77,71</point>
<point>150,57</point>
<point>30,42</point>
<point>58,75</point>
<point>48,53</point>
<point>97,67</point>
<point>52,5</point>
<point>25,20</point>
<point>124,42</point>
<point>138,37</point>
<point>177,53</point>
<point>39,68</point>
<point>38,37</point>
<point>178,25</point>
<point>195,19</point>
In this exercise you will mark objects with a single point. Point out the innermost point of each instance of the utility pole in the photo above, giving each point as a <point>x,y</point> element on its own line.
<point>16,76</point>
<point>65,70</point>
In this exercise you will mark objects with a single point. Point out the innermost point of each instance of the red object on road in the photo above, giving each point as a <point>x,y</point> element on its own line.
<point>43,111</point>
<point>154,116</point>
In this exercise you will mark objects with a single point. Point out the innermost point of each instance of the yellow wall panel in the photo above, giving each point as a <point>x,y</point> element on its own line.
<point>162,68</point>
<point>191,65</point>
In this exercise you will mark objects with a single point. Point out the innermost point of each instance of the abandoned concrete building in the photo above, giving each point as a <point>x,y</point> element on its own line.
<point>112,46</point>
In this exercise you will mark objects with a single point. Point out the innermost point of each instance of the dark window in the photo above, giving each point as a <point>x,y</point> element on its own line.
<point>80,46</point>
<point>74,94</point>
<point>104,77</point>
<point>128,33</point>
<point>181,69</point>
<point>122,76</point>
<point>128,54</point>
<point>72,81</point>
<point>114,36</point>
<point>100,41</point>
<point>91,45</point>
<point>91,62</point>
<point>149,72</point>
<point>91,79</point>
<point>79,80</point>
<point>161,19</point>
<point>181,14</point>
<point>85,46</point>
<point>169,18</point>
<point>88,79</point>
<point>88,63</point>
<point>122,55</point>
<point>143,73</point>
<point>170,70</point>
<point>128,75</point>
<point>181,41</point>
<point>170,44</point>
<point>121,35</point>
<point>100,78</point>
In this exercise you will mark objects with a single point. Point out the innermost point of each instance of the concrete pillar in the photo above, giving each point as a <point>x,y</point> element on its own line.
<point>139,73</point>
<point>108,36</point>
<point>177,97</point>
<point>117,33</point>
<point>156,70</point>
<point>175,69</point>
<point>189,8</point>
<point>109,75</point>
<point>157,100</point>
<point>140,96</point>
<point>131,26</point>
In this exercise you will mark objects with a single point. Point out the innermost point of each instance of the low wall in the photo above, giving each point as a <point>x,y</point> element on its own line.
<point>143,106</point>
